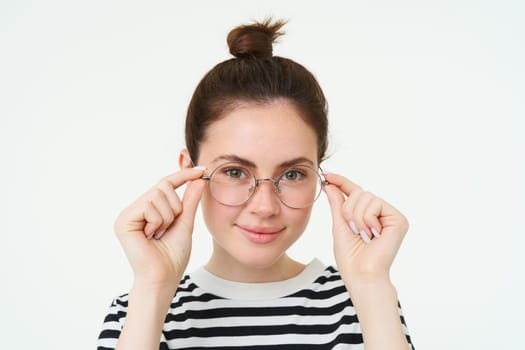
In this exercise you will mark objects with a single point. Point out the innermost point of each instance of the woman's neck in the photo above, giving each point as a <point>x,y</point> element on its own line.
<point>226,267</point>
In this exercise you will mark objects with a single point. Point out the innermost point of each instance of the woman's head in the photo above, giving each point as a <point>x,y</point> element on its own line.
<point>260,117</point>
<point>255,77</point>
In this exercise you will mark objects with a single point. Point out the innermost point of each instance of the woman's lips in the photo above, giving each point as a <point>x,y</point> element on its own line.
<point>260,234</point>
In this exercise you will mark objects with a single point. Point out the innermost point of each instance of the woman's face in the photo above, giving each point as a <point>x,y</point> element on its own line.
<point>263,138</point>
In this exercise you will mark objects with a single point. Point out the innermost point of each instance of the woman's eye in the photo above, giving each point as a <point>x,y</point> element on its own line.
<point>234,173</point>
<point>293,175</point>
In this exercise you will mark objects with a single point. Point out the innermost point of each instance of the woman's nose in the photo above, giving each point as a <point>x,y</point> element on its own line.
<point>265,199</point>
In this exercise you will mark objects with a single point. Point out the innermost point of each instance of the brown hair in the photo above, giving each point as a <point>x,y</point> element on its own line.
<point>255,76</point>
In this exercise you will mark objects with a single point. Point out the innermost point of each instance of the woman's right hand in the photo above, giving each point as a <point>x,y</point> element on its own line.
<point>156,230</point>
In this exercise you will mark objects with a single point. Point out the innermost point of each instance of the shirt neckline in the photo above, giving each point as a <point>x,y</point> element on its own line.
<point>256,291</point>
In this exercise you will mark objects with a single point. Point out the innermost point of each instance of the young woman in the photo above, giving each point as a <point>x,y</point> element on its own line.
<point>256,133</point>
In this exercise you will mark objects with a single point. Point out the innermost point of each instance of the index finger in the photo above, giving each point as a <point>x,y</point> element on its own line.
<point>345,185</point>
<point>184,175</point>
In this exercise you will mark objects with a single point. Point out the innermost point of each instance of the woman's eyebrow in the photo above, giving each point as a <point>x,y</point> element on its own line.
<point>295,161</point>
<point>249,163</point>
<point>236,159</point>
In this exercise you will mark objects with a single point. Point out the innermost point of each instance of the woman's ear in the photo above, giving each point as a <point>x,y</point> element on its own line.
<point>185,159</point>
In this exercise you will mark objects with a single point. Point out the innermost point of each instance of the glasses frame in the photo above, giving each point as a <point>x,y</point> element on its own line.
<point>275,183</point>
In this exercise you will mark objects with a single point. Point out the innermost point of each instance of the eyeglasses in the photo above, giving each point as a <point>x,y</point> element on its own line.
<point>232,184</point>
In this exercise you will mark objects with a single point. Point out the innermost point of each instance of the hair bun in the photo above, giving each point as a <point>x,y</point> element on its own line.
<point>254,40</point>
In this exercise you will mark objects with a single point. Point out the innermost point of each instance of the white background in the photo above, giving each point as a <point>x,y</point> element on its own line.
<point>426,107</point>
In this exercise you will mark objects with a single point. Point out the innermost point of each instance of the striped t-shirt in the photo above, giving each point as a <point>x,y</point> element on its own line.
<point>310,311</point>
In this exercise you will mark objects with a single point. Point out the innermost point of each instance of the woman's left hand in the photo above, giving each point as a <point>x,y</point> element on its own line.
<point>367,231</point>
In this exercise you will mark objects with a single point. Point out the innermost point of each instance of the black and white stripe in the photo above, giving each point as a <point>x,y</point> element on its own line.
<point>318,315</point>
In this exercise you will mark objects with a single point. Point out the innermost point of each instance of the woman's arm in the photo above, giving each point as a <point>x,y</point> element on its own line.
<point>147,309</point>
<point>156,233</point>
<point>376,305</point>
<point>367,235</point>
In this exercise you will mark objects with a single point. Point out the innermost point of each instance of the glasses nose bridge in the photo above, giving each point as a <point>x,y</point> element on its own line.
<point>275,183</point>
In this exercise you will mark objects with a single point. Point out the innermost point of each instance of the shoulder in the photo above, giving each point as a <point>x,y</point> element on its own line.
<point>329,273</point>
<point>113,322</point>
<point>325,284</point>
<point>119,303</point>
<point>325,274</point>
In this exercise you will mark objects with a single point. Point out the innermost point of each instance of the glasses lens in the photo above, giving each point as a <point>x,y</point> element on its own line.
<point>231,184</point>
<point>299,187</point>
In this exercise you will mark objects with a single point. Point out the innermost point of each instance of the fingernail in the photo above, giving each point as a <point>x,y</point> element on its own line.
<point>374,232</point>
<point>159,234</point>
<point>353,227</point>
<point>364,236</point>
<point>199,167</point>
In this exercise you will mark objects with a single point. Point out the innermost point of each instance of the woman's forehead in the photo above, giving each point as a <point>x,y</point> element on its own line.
<point>264,122</point>
<point>258,133</point>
